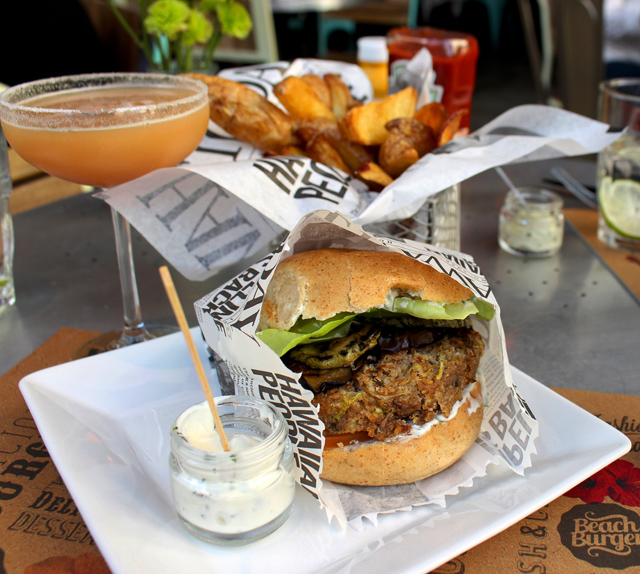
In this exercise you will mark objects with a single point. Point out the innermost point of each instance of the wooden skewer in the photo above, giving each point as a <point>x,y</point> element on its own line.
<point>184,327</point>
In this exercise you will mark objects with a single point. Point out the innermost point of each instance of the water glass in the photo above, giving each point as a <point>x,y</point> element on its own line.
<point>7,289</point>
<point>618,175</point>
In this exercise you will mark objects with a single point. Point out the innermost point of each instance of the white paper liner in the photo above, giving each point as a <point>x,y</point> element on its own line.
<point>228,205</point>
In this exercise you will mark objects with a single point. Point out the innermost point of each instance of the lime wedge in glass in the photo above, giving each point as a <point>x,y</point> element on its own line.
<point>620,205</point>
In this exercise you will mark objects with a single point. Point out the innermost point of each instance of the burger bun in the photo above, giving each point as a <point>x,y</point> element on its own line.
<point>398,461</point>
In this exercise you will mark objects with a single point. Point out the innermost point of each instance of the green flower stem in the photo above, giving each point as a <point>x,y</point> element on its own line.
<point>188,64</point>
<point>142,45</point>
<point>143,14</point>
<point>171,28</point>
<point>165,54</point>
<point>207,54</point>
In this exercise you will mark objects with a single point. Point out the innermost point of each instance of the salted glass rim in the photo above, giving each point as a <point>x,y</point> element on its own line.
<point>37,88</point>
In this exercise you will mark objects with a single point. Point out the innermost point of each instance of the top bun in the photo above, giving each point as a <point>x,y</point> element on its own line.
<point>321,283</point>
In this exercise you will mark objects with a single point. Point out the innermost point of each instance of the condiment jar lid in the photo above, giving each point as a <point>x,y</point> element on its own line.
<point>373,49</point>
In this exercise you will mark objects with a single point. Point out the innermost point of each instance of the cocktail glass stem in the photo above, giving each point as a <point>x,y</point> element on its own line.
<point>134,329</point>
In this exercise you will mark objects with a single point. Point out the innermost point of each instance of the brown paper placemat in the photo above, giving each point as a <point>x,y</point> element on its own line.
<point>593,529</point>
<point>41,531</point>
<point>624,264</point>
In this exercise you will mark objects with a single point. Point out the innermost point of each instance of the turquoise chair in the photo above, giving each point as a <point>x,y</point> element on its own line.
<point>384,13</point>
<point>495,11</point>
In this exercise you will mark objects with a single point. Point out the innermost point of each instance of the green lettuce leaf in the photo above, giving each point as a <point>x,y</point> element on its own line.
<point>307,331</point>
<point>446,311</point>
<point>312,330</point>
<point>486,312</point>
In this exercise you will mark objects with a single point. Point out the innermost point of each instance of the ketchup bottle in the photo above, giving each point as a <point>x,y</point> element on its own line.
<point>454,61</point>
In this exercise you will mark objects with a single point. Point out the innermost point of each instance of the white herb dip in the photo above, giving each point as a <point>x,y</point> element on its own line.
<point>232,496</point>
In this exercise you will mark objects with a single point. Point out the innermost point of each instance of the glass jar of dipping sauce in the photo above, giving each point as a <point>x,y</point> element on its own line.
<point>237,496</point>
<point>531,223</point>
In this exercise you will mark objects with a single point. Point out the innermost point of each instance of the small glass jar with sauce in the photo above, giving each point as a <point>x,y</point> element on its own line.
<point>236,496</point>
<point>531,222</point>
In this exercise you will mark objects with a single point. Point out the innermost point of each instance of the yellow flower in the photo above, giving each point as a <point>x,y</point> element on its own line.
<point>168,17</point>
<point>234,19</point>
<point>198,29</point>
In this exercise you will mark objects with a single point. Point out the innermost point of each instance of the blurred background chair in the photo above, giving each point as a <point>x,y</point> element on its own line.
<point>566,55</point>
<point>495,10</point>
<point>621,51</point>
<point>389,13</point>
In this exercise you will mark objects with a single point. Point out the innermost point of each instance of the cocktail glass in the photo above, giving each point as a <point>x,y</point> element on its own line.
<point>619,165</point>
<point>104,130</point>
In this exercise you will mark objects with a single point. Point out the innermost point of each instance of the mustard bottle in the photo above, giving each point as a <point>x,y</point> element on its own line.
<point>373,58</point>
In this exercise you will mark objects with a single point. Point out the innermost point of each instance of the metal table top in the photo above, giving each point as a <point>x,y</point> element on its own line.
<point>569,322</point>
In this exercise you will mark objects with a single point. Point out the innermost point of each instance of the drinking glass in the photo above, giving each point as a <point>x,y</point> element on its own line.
<point>7,289</point>
<point>618,176</point>
<point>104,130</point>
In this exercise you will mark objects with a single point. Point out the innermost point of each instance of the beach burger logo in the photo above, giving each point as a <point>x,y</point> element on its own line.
<point>603,534</point>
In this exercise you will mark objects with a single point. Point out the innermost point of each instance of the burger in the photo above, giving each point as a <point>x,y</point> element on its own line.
<point>385,343</point>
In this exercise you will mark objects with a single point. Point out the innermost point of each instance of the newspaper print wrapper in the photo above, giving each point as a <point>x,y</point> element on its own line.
<point>229,316</point>
<point>229,205</point>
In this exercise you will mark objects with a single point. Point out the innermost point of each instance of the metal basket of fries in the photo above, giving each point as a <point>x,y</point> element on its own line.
<point>436,223</point>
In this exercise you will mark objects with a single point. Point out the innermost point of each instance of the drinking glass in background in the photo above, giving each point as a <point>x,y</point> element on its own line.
<point>618,176</point>
<point>7,289</point>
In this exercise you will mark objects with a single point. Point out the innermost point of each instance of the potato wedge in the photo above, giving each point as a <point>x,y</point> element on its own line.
<point>247,115</point>
<point>451,127</point>
<point>433,115</point>
<point>299,99</point>
<point>292,150</point>
<point>353,154</point>
<point>319,149</point>
<point>366,124</point>
<point>396,155</point>
<point>341,99</point>
<point>418,135</point>
<point>319,87</point>
<point>308,129</point>
<point>374,176</point>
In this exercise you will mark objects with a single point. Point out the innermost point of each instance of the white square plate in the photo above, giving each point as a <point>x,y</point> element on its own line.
<point>106,419</point>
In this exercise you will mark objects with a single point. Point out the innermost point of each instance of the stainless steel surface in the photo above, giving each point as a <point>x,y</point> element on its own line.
<point>568,321</point>
<point>67,276</point>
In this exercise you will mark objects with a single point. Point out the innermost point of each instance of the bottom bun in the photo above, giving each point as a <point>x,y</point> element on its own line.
<point>386,463</point>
